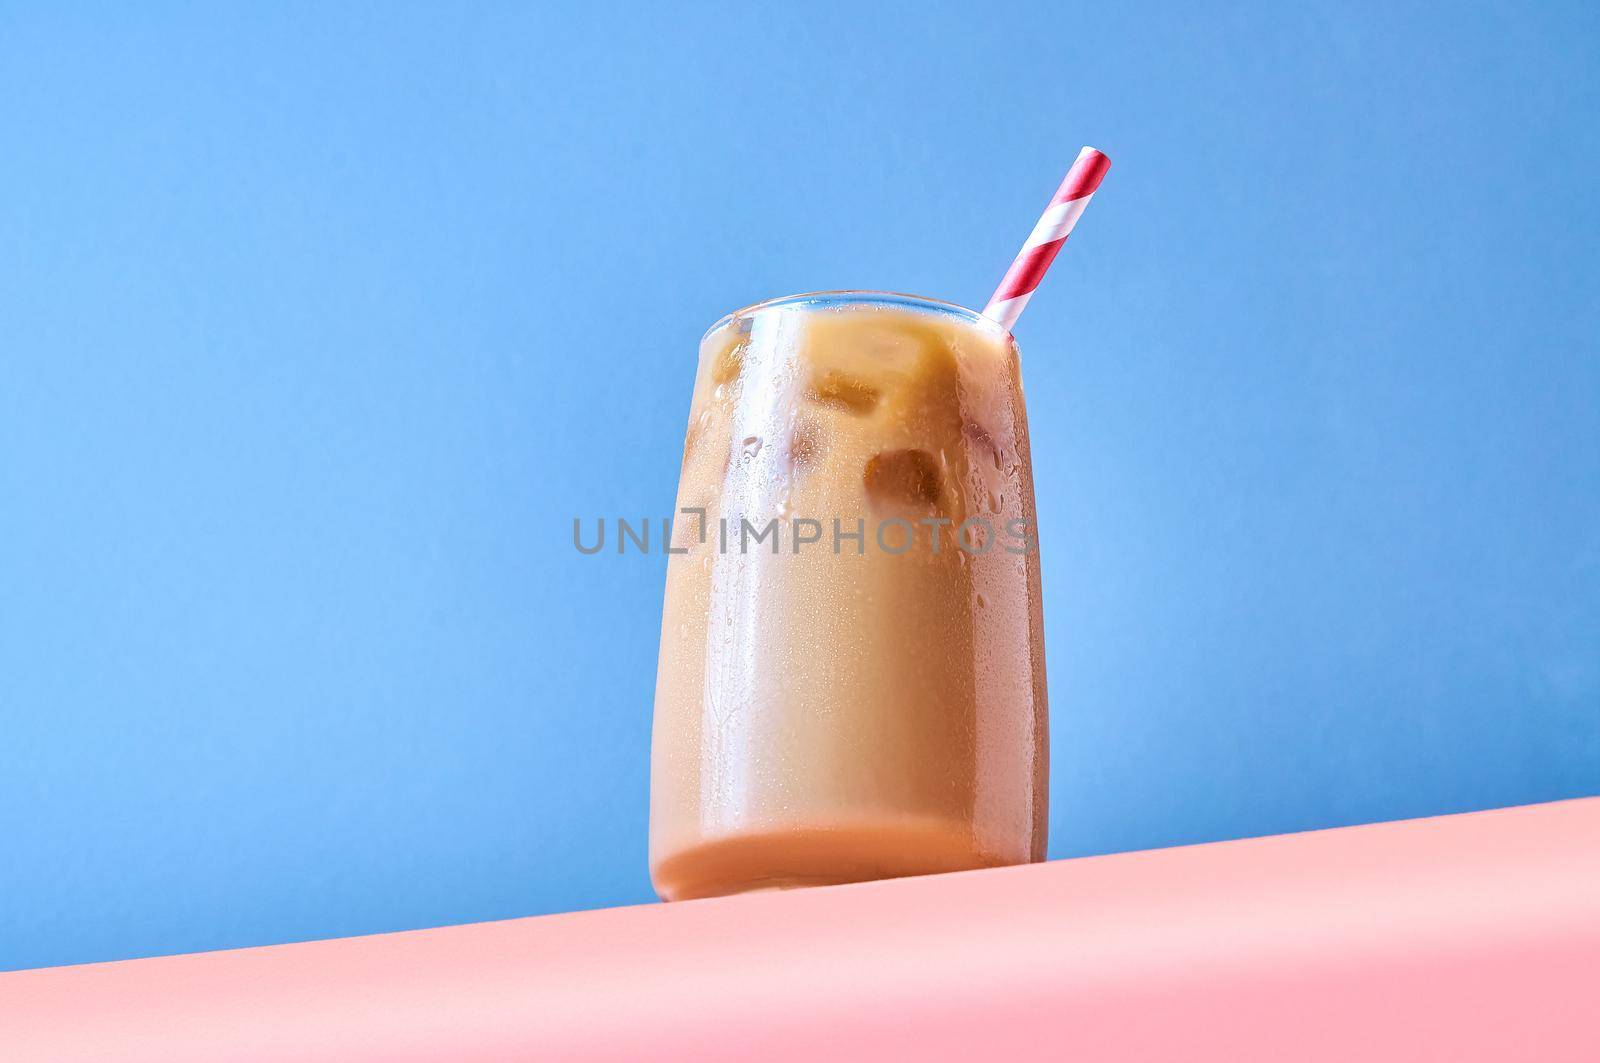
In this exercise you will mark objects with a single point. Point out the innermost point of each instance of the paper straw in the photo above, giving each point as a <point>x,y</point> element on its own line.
<point>1029,267</point>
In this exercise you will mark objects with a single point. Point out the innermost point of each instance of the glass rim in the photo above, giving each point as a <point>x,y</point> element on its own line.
<point>868,296</point>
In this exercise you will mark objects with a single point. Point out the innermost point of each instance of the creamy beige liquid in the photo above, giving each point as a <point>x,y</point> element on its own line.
<point>822,716</point>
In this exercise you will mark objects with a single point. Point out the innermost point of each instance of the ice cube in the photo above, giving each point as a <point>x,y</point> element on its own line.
<point>694,434</point>
<point>804,446</point>
<point>900,479</point>
<point>729,362</point>
<point>844,392</point>
<point>984,445</point>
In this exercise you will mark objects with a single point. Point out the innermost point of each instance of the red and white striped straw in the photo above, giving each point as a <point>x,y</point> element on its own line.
<point>1028,268</point>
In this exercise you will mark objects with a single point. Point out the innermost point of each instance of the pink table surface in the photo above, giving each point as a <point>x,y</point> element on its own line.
<point>1473,937</point>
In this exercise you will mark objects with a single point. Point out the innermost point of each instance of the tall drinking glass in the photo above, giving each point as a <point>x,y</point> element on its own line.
<point>851,681</point>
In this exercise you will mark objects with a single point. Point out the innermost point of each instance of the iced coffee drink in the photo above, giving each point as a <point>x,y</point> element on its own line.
<point>851,681</point>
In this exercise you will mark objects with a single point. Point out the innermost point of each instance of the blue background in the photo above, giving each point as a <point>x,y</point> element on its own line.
<point>318,326</point>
